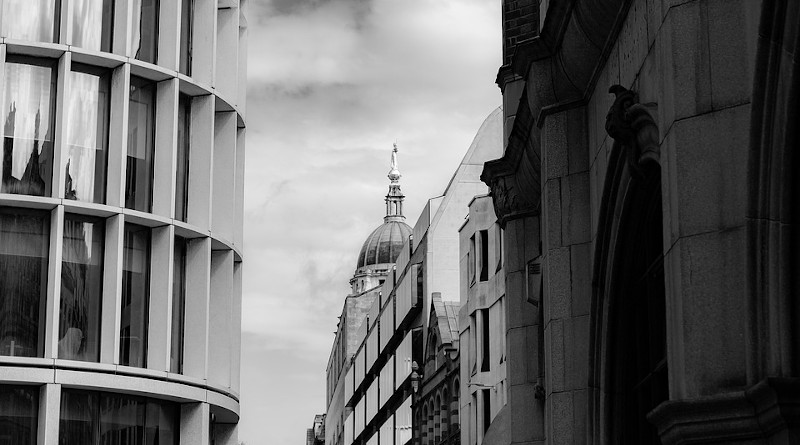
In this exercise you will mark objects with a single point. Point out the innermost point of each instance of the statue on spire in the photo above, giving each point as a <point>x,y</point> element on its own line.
<point>394,173</point>
<point>394,199</point>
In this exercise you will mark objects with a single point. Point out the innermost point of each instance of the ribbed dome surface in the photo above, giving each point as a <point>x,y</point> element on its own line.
<point>383,244</point>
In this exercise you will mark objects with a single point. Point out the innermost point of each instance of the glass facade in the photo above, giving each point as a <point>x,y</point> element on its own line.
<point>182,162</point>
<point>135,296</point>
<point>19,414</point>
<point>144,27</point>
<point>24,252</point>
<point>92,24</point>
<point>28,117</point>
<point>34,20</point>
<point>187,27</point>
<point>141,145</point>
<point>87,107</point>
<point>178,305</point>
<point>95,418</point>
<point>81,288</point>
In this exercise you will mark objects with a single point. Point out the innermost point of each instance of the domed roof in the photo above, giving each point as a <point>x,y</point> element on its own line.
<point>383,245</point>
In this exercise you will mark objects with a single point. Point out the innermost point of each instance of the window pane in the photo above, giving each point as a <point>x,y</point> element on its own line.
<point>19,410</point>
<point>92,24</point>
<point>28,115</point>
<point>135,296</point>
<point>87,135</point>
<point>163,425</point>
<point>182,164</point>
<point>144,26</point>
<point>121,419</point>
<point>78,418</point>
<point>187,27</point>
<point>141,141</point>
<point>81,288</point>
<point>178,305</point>
<point>31,19</point>
<point>24,245</point>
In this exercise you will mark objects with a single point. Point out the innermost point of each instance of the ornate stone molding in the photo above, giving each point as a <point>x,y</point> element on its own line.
<point>633,125</point>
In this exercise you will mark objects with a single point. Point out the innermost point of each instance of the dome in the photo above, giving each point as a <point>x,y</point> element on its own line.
<point>383,245</point>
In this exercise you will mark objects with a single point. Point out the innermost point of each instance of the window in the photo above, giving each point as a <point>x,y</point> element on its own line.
<point>187,27</point>
<point>141,144</point>
<point>34,20</point>
<point>87,135</point>
<point>135,296</point>
<point>24,252</point>
<point>487,409</point>
<point>92,24</point>
<point>178,305</point>
<point>182,163</point>
<point>81,288</point>
<point>28,116</point>
<point>484,340</point>
<point>144,26</point>
<point>94,418</point>
<point>20,413</point>
<point>483,258</point>
<point>471,260</point>
<point>498,246</point>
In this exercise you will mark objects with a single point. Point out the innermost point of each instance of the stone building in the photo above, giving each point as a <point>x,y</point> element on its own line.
<point>482,326</point>
<point>649,205</point>
<point>121,208</point>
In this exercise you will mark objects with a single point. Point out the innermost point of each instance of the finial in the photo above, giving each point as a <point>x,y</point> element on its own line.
<point>394,173</point>
<point>394,200</point>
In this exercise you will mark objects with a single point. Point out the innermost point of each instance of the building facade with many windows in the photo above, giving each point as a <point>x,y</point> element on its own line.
<point>121,204</point>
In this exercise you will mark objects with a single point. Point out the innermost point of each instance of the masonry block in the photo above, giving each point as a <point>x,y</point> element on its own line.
<point>552,213</point>
<point>562,418</point>
<point>576,209</point>
<point>559,290</point>
<point>581,278</point>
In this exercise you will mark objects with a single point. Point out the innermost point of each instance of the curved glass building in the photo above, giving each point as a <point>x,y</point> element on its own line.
<point>121,202</point>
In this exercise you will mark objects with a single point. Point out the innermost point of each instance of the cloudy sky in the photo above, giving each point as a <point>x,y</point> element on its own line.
<point>332,84</point>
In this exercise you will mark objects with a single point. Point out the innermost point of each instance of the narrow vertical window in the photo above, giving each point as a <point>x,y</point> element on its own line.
<point>182,162</point>
<point>487,409</point>
<point>81,288</point>
<point>87,135</point>
<point>187,27</point>
<point>483,260</point>
<point>24,237</point>
<point>471,260</point>
<point>34,20</point>
<point>485,340</point>
<point>19,414</point>
<point>178,305</point>
<point>144,26</point>
<point>28,125</point>
<point>135,296</point>
<point>92,24</point>
<point>78,423</point>
<point>498,246</point>
<point>141,145</point>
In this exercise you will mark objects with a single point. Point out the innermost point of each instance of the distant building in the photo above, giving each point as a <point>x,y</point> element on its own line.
<point>482,325</point>
<point>377,386</point>
<point>316,434</point>
<point>649,198</point>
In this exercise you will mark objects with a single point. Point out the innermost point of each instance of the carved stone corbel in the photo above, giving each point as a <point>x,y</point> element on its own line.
<point>633,125</point>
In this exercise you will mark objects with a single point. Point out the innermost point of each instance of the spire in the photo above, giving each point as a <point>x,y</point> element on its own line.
<point>394,199</point>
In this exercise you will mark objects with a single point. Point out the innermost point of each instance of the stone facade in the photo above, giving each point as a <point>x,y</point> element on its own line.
<point>648,205</point>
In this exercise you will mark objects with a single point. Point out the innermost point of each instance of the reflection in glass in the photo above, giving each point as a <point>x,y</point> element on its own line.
<point>135,296</point>
<point>144,26</point>
<point>24,251</point>
<point>79,416</point>
<point>19,412</point>
<point>92,24</point>
<point>178,305</point>
<point>182,164</point>
<point>28,115</point>
<point>81,288</point>
<point>187,27</point>
<point>87,135</point>
<point>141,142</point>
<point>95,418</point>
<point>33,20</point>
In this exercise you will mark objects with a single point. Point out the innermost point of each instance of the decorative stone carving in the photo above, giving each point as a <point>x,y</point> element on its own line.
<point>633,125</point>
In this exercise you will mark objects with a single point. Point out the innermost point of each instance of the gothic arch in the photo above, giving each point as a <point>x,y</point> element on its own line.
<point>628,301</point>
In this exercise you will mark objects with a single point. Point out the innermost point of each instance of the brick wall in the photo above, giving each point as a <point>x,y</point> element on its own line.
<point>520,22</point>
